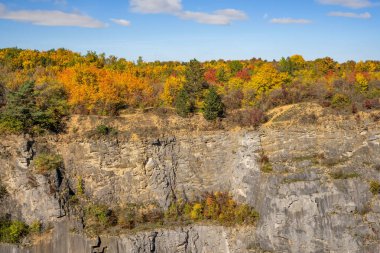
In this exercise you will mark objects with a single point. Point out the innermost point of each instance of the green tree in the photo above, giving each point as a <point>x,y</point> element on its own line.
<point>286,65</point>
<point>213,106</point>
<point>235,66</point>
<point>18,114</point>
<point>28,110</point>
<point>184,104</point>
<point>195,80</point>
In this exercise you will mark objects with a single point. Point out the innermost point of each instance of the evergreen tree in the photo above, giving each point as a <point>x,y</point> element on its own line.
<point>183,103</point>
<point>22,113</point>
<point>213,106</point>
<point>195,80</point>
<point>20,109</point>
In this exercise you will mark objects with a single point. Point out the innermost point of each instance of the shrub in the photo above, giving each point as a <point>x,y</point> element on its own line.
<point>80,185</point>
<point>196,211</point>
<point>371,103</point>
<point>45,162</point>
<point>213,106</point>
<point>105,130</point>
<point>375,187</point>
<point>12,231</point>
<point>266,166</point>
<point>3,191</point>
<point>340,100</point>
<point>35,227</point>
<point>249,117</point>
<point>98,218</point>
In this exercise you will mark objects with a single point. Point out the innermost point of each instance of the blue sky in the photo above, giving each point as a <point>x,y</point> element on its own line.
<point>202,29</point>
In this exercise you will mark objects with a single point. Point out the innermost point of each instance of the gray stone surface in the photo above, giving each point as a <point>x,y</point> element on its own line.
<point>302,207</point>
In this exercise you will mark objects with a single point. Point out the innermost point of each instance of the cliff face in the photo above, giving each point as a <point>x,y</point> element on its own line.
<point>307,173</point>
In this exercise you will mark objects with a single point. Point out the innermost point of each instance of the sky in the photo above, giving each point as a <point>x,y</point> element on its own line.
<point>202,29</point>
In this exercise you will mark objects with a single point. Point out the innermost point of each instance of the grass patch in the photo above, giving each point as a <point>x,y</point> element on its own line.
<point>341,175</point>
<point>374,187</point>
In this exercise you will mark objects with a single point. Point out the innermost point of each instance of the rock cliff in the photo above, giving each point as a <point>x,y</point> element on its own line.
<point>307,172</point>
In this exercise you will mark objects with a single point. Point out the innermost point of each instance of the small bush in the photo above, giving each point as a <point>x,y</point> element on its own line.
<point>80,185</point>
<point>99,215</point>
<point>249,117</point>
<point>45,162</point>
<point>35,227</point>
<point>371,103</point>
<point>105,130</point>
<point>375,187</point>
<point>12,231</point>
<point>340,101</point>
<point>266,166</point>
<point>3,191</point>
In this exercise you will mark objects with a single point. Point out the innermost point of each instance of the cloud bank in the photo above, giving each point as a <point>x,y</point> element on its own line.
<point>365,15</point>
<point>50,18</point>
<point>290,21</point>
<point>355,4</point>
<point>174,7</point>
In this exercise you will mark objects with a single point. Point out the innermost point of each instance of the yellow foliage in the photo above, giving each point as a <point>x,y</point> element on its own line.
<point>361,82</point>
<point>171,87</point>
<point>264,80</point>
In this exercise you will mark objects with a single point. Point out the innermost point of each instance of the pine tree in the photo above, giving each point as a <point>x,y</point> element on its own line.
<point>183,103</point>
<point>213,106</point>
<point>195,80</point>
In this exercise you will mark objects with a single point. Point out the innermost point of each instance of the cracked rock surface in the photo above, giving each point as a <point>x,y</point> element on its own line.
<point>303,207</point>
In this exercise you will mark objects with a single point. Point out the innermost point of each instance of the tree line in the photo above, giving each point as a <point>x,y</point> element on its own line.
<point>39,88</point>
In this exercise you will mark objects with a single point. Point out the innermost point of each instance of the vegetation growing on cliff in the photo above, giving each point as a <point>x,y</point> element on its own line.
<point>38,89</point>
<point>12,231</point>
<point>46,162</point>
<point>218,207</point>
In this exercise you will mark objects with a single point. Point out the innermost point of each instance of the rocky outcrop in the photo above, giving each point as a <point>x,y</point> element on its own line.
<point>315,198</point>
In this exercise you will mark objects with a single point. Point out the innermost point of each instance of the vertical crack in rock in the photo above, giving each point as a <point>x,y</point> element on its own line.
<point>152,241</point>
<point>163,163</point>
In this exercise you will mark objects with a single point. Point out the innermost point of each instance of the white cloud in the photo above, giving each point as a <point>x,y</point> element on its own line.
<point>174,7</point>
<point>355,4</point>
<point>365,15</point>
<point>289,21</point>
<point>50,18</point>
<point>156,6</point>
<point>122,22</point>
<point>219,17</point>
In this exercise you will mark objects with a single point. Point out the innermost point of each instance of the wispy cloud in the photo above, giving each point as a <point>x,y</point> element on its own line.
<point>156,6</point>
<point>174,7</point>
<point>365,15</point>
<point>50,18</point>
<point>355,4</point>
<point>290,21</point>
<point>122,22</point>
<point>219,17</point>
